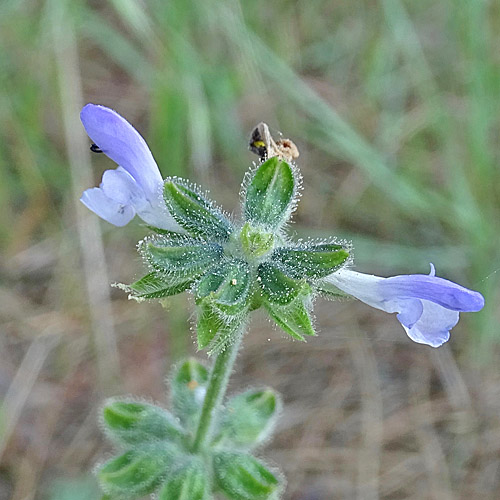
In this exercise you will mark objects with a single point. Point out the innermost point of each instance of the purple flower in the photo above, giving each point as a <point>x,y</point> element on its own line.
<point>428,306</point>
<point>135,187</point>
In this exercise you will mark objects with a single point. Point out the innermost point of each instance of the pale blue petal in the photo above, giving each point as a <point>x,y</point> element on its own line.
<point>123,144</point>
<point>364,287</point>
<point>438,290</point>
<point>410,311</point>
<point>120,186</point>
<point>106,208</point>
<point>433,327</point>
<point>427,306</point>
<point>158,216</point>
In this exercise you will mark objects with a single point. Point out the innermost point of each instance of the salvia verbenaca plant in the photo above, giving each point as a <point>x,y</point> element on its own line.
<point>203,446</point>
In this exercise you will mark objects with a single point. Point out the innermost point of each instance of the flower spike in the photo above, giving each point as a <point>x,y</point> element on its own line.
<point>203,448</point>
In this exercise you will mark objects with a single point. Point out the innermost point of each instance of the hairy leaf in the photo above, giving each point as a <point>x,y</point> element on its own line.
<point>248,418</point>
<point>243,477</point>
<point>188,481</point>
<point>133,422</point>
<point>270,194</point>
<point>314,261</point>
<point>194,212</point>
<point>293,318</point>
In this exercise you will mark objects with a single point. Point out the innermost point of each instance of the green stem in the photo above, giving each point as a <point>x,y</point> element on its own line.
<point>217,385</point>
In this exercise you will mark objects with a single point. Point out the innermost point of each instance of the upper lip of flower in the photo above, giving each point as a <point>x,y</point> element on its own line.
<point>121,142</point>
<point>135,186</point>
<point>378,292</point>
<point>438,290</point>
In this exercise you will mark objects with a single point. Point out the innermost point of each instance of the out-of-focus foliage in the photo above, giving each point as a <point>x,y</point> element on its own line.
<point>156,450</point>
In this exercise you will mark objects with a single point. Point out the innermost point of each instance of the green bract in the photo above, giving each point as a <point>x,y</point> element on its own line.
<point>216,328</point>
<point>225,285</point>
<point>156,286</point>
<point>192,211</point>
<point>138,471</point>
<point>311,261</point>
<point>187,392</point>
<point>276,286</point>
<point>294,318</point>
<point>255,242</point>
<point>201,448</point>
<point>234,268</point>
<point>270,193</point>
<point>185,259</point>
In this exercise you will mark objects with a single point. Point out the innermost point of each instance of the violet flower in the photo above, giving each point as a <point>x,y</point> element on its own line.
<point>428,306</point>
<point>135,187</point>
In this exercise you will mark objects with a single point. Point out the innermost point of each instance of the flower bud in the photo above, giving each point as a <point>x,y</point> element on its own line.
<point>270,194</point>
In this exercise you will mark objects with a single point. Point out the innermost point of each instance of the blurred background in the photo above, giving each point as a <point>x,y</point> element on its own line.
<point>394,106</point>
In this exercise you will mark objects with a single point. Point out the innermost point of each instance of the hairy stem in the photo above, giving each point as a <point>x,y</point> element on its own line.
<point>217,385</point>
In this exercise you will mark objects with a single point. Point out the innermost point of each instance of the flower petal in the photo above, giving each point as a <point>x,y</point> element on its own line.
<point>438,290</point>
<point>110,210</point>
<point>433,327</point>
<point>410,311</point>
<point>157,215</point>
<point>428,306</point>
<point>120,186</point>
<point>123,144</point>
<point>362,286</point>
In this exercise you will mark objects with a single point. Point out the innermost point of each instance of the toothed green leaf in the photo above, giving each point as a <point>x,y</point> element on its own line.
<point>226,286</point>
<point>216,328</point>
<point>269,194</point>
<point>194,212</point>
<point>243,477</point>
<point>276,286</point>
<point>157,286</point>
<point>188,387</point>
<point>293,318</point>
<point>185,261</point>
<point>314,261</point>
